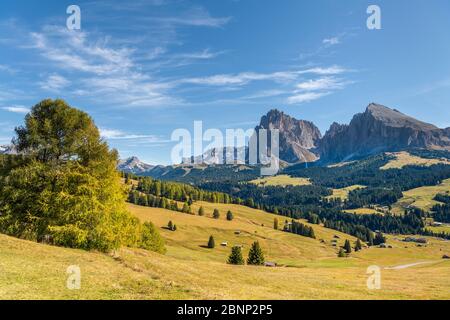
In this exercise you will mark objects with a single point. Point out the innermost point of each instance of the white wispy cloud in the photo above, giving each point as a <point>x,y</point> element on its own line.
<point>16,109</point>
<point>54,82</point>
<point>197,17</point>
<point>156,53</point>
<point>331,41</point>
<point>314,89</point>
<point>102,69</point>
<point>114,134</point>
<point>325,83</point>
<point>306,97</point>
<point>7,69</point>
<point>333,70</point>
<point>247,77</point>
<point>202,55</point>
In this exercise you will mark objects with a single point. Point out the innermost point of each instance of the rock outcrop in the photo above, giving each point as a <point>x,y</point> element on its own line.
<point>297,137</point>
<point>380,129</point>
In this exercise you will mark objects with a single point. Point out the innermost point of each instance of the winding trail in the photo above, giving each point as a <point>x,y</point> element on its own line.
<point>405,266</point>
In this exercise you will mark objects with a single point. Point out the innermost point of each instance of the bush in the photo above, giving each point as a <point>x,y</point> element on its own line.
<point>216,214</point>
<point>69,236</point>
<point>229,215</point>
<point>151,239</point>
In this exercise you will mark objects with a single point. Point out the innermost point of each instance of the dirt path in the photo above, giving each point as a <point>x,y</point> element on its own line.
<point>405,266</point>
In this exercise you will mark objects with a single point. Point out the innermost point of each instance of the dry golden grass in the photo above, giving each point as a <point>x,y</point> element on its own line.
<point>404,158</point>
<point>281,180</point>
<point>363,211</point>
<point>439,229</point>
<point>190,271</point>
<point>343,192</point>
<point>340,164</point>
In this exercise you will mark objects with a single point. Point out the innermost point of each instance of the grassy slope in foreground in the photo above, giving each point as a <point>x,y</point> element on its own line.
<point>31,270</point>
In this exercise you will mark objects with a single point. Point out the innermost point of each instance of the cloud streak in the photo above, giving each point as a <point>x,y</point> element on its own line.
<point>17,109</point>
<point>306,97</point>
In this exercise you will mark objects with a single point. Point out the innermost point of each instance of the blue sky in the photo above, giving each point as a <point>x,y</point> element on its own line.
<point>145,68</point>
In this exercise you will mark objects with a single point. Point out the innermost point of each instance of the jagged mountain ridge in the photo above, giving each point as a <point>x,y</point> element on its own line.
<point>379,129</point>
<point>297,137</point>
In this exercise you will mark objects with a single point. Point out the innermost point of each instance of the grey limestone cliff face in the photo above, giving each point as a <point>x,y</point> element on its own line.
<point>380,129</point>
<point>298,138</point>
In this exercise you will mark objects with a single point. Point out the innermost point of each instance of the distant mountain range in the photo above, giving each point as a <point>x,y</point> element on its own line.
<point>7,149</point>
<point>378,129</point>
<point>134,165</point>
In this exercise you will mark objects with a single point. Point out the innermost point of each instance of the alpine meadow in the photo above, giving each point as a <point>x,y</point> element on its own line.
<point>237,151</point>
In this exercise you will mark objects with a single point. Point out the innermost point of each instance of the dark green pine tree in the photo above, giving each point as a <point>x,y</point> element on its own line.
<point>369,236</point>
<point>201,211</point>
<point>216,214</point>
<point>379,239</point>
<point>229,215</point>
<point>211,242</point>
<point>347,247</point>
<point>236,256</point>
<point>311,233</point>
<point>255,255</point>
<point>275,223</point>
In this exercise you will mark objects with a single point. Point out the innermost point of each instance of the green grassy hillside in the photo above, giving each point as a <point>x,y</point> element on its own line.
<point>421,197</point>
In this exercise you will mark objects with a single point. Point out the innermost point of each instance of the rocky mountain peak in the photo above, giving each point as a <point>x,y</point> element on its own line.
<point>380,129</point>
<point>395,118</point>
<point>134,165</point>
<point>297,137</point>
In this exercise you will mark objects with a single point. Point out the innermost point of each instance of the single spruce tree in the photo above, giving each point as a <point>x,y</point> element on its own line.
<point>211,242</point>
<point>216,214</point>
<point>255,255</point>
<point>347,247</point>
<point>229,215</point>
<point>236,256</point>
<point>275,223</point>
<point>201,211</point>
